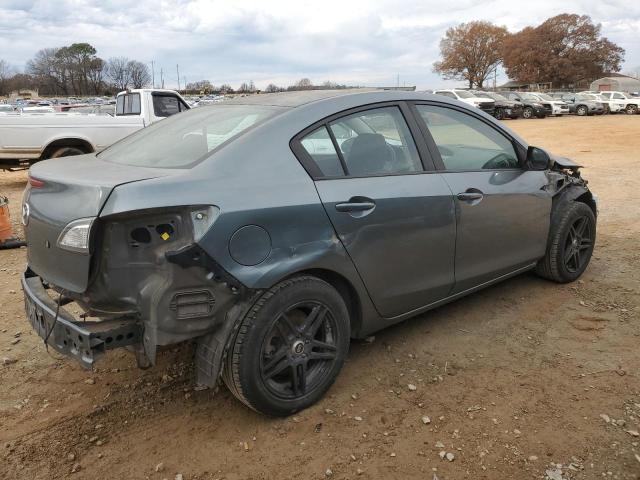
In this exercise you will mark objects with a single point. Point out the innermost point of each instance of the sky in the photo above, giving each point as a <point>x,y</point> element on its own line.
<point>356,42</point>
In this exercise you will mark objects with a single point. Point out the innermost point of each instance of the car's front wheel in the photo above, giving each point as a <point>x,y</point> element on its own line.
<point>527,112</point>
<point>571,241</point>
<point>632,109</point>
<point>582,110</point>
<point>290,347</point>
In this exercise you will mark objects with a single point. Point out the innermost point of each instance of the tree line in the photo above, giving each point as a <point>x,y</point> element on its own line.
<point>74,70</point>
<point>206,87</point>
<point>563,50</point>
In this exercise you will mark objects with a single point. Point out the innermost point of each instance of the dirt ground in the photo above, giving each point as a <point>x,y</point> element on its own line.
<point>526,379</point>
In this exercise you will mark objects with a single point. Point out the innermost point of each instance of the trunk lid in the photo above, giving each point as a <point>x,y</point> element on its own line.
<point>73,187</point>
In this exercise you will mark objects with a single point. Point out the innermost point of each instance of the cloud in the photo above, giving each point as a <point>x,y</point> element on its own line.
<point>356,42</point>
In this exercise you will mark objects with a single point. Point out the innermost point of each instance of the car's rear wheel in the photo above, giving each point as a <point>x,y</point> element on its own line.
<point>499,114</point>
<point>66,152</point>
<point>527,112</point>
<point>582,110</point>
<point>571,241</point>
<point>290,347</point>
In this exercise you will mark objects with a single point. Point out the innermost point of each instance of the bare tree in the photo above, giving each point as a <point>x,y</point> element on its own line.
<point>471,51</point>
<point>272,88</point>
<point>118,71</point>
<point>139,74</point>
<point>6,72</point>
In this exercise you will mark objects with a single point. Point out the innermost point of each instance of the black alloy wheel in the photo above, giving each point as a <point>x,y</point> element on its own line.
<point>578,245</point>
<point>290,347</point>
<point>299,351</point>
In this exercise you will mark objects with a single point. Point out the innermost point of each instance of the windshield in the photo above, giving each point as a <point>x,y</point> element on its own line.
<point>464,94</point>
<point>544,96</point>
<point>495,96</point>
<point>528,96</point>
<point>183,139</point>
<point>584,97</point>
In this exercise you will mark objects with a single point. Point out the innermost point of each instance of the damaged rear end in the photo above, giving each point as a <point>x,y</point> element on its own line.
<point>127,272</point>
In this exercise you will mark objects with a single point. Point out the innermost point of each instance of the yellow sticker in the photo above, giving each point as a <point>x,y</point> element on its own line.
<point>165,236</point>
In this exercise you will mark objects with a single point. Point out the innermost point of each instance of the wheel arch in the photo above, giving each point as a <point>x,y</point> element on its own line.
<point>346,290</point>
<point>78,142</point>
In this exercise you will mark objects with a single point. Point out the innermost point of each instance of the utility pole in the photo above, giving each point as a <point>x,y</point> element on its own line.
<point>178,73</point>
<point>397,80</point>
<point>161,78</point>
<point>153,75</point>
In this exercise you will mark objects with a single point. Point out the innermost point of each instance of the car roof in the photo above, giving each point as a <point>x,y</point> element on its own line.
<point>348,95</point>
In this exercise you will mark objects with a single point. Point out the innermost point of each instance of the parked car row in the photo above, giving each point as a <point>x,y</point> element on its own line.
<point>508,104</point>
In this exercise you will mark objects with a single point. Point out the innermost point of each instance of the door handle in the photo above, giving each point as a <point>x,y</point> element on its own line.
<point>355,206</point>
<point>470,196</point>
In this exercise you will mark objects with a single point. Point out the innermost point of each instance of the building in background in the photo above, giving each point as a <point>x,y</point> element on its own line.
<point>616,81</point>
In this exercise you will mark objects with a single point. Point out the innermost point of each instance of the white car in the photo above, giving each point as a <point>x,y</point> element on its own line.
<point>629,104</point>
<point>551,105</point>
<point>28,137</point>
<point>485,104</point>
<point>611,105</point>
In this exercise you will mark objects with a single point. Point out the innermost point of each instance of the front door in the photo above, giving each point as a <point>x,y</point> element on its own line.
<point>502,209</point>
<point>396,220</point>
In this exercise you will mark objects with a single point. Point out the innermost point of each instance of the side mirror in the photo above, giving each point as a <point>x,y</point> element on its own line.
<point>538,159</point>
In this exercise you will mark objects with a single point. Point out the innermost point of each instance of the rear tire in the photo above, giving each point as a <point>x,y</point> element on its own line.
<point>290,347</point>
<point>571,241</point>
<point>67,152</point>
<point>632,109</point>
<point>527,112</point>
<point>582,111</point>
<point>499,114</point>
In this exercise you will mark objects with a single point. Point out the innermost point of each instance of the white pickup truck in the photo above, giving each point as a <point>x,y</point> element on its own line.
<point>26,138</point>
<point>629,104</point>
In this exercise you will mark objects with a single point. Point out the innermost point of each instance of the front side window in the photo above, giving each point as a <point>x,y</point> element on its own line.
<point>128,104</point>
<point>467,143</point>
<point>166,105</point>
<point>182,140</point>
<point>376,142</point>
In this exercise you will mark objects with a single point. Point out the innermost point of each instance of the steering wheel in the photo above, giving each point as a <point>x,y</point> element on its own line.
<point>502,160</point>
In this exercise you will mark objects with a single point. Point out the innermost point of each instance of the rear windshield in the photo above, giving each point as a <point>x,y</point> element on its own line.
<point>182,140</point>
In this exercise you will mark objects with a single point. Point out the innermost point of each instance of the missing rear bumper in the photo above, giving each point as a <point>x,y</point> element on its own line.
<point>83,340</point>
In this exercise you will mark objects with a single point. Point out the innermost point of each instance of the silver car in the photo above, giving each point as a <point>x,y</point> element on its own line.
<point>272,229</point>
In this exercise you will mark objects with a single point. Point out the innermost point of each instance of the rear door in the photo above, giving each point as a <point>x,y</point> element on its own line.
<point>394,216</point>
<point>502,209</point>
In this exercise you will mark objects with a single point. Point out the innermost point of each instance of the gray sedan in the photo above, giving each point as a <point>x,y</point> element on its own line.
<point>274,228</point>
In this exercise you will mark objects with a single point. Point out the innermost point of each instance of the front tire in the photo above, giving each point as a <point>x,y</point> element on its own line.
<point>632,109</point>
<point>290,347</point>
<point>582,111</point>
<point>571,241</point>
<point>527,112</point>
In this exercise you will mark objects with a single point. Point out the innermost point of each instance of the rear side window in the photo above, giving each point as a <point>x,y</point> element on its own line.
<point>467,143</point>
<point>376,142</point>
<point>319,146</point>
<point>166,105</point>
<point>128,104</point>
